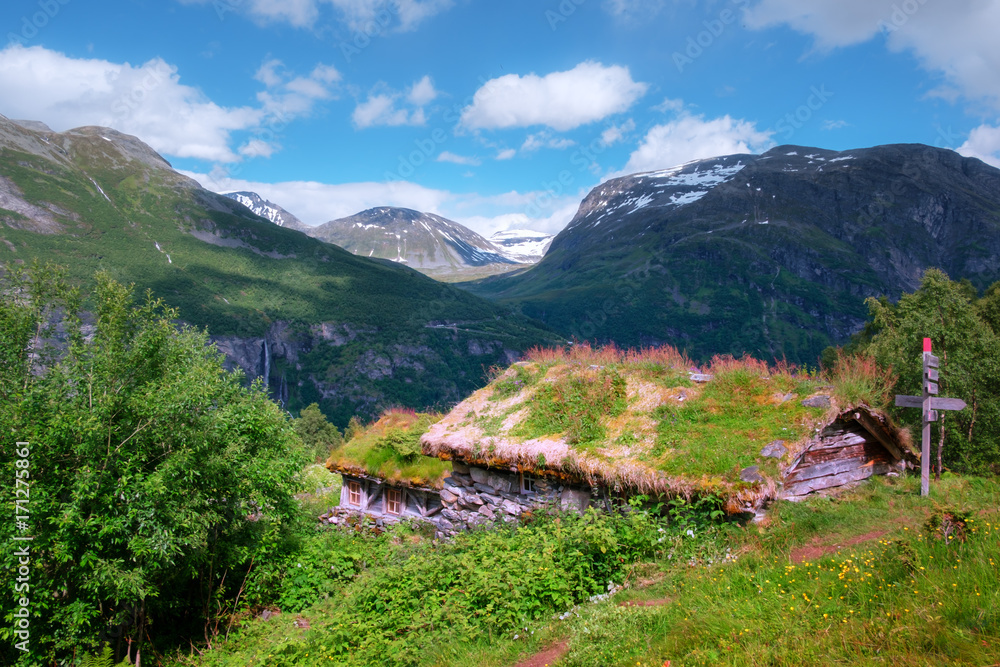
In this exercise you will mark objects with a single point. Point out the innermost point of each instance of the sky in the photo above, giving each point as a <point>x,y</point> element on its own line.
<point>496,114</point>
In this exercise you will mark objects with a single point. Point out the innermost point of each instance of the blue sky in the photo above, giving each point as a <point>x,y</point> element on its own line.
<point>496,114</point>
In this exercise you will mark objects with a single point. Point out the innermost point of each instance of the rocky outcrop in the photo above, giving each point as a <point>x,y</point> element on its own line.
<point>291,361</point>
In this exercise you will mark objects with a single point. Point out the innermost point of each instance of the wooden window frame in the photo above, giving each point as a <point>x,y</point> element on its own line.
<point>527,484</point>
<point>394,497</point>
<point>354,494</point>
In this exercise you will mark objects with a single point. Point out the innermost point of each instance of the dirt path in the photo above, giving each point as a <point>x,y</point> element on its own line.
<point>816,549</point>
<point>546,656</point>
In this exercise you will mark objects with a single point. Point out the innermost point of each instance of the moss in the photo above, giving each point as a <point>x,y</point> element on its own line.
<point>390,448</point>
<point>637,418</point>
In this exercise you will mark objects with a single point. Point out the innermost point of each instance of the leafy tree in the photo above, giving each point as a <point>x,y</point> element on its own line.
<point>354,429</point>
<point>958,325</point>
<point>318,435</point>
<point>154,473</point>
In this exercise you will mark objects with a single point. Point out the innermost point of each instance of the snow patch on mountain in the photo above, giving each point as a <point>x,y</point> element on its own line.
<point>522,245</point>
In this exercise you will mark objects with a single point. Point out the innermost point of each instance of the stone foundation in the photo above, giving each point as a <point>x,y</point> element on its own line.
<point>473,496</point>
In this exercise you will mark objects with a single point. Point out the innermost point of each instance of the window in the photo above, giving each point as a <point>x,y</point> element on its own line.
<point>393,501</point>
<point>354,493</point>
<point>527,483</point>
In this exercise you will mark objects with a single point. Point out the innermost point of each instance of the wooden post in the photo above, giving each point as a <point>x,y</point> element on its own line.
<point>930,388</point>
<point>929,405</point>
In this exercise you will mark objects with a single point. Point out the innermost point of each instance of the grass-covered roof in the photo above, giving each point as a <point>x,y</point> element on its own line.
<point>389,448</point>
<point>638,420</point>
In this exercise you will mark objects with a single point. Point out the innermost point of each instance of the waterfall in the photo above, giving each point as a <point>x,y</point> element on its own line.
<point>267,363</point>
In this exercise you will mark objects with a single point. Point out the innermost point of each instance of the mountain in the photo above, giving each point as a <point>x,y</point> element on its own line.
<point>316,322</point>
<point>522,245</point>
<point>426,242</point>
<point>770,255</point>
<point>268,210</point>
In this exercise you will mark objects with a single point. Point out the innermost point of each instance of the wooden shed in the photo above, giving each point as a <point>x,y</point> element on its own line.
<point>857,444</point>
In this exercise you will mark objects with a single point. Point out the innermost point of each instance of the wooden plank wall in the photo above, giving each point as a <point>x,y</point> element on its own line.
<point>845,453</point>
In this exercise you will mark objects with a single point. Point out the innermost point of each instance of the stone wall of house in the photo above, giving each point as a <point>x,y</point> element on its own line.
<point>472,496</point>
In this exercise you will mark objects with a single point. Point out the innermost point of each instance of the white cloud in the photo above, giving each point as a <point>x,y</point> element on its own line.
<point>956,38</point>
<point>983,143</point>
<point>448,156</point>
<point>369,16</point>
<point>315,203</point>
<point>288,95</point>
<point>148,101</point>
<point>506,154</point>
<point>422,92</point>
<point>379,110</point>
<point>834,124</point>
<point>561,100</point>
<point>383,108</point>
<point>633,10</point>
<point>374,16</point>
<point>690,137</point>
<point>616,133</point>
<point>257,148</point>
<point>298,13</point>
<point>669,104</point>
<point>545,139</point>
<point>268,73</point>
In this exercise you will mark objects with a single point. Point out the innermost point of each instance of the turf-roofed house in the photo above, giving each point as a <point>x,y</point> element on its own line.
<point>385,476</point>
<point>584,427</point>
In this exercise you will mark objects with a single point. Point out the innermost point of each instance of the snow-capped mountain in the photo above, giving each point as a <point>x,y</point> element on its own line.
<point>770,255</point>
<point>423,241</point>
<point>522,245</point>
<point>269,210</point>
<point>663,190</point>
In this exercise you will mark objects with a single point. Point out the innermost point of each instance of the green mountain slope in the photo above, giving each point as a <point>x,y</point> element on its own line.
<point>771,255</point>
<point>318,322</point>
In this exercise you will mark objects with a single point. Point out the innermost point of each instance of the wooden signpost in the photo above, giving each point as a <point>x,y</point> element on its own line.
<point>930,404</point>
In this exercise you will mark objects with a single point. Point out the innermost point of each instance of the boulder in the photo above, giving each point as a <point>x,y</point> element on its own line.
<point>460,467</point>
<point>751,474</point>
<point>483,488</point>
<point>510,507</point>
<point>818,401</point>
<point>501,483</point>
<point>486,512</point>
<point>575,499</point>
<point>479,475</point>
<point>775,449</point>
<point>490,498</point>
<point>448,497</point>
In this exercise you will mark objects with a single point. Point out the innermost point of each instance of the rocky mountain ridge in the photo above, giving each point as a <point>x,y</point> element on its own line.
<point>268,210</point>
<point>315,322</point>
<point>423,241</point>
<point>771,255</point>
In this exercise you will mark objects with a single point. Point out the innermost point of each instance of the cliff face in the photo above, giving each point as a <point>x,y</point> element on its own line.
<point>771,255</point>
<point>338,366</point>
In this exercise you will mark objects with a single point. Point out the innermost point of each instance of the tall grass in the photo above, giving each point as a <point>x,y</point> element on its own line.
<point>857,378</point>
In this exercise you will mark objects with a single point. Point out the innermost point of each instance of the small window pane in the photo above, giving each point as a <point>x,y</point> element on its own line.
<point>393,501</point>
